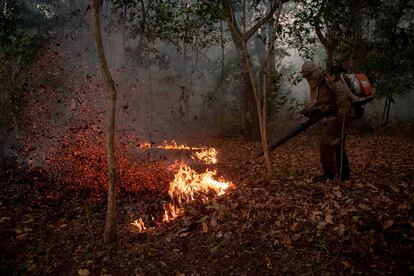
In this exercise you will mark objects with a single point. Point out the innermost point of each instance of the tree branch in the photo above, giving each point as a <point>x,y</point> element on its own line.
<point>317,27</point>
<point>231,19</point>
<point>262,21</point>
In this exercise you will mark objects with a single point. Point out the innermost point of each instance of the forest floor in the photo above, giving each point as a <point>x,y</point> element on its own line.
<point>286,225</point>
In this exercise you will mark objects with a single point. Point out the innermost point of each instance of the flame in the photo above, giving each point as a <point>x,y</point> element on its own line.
<point>173,145</point>
<point>188,184</point>
<point>139,224</point>
<point>144,145</point>
<point>171,212</point>
<point>208,156</point>
<point>205,154</point>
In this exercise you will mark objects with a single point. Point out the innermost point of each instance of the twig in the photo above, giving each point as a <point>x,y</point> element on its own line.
<point>16,70</point>
<point>381,128</point>
<point>371,156</point>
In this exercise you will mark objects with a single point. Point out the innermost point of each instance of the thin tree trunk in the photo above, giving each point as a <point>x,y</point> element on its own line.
<point>110,233</point>
<point>268,68</point>
<point>251,119</point>
<point>387,108</point>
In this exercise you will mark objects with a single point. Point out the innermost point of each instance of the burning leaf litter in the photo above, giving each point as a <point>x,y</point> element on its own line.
<point>189,185</point>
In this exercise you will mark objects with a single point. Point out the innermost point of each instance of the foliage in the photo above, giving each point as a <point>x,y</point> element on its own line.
<point>389,59</point>
<point>22,31</point>
<point>171,21</point>
<point>280,94</point>
<point>376,35</point>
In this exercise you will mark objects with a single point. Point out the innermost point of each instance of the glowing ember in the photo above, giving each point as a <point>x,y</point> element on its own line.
<point>139,224</point>
<point>208,156</point>
<point>144,145</point>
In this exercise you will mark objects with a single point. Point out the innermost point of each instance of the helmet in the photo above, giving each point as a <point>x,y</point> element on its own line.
<point>309,68</point>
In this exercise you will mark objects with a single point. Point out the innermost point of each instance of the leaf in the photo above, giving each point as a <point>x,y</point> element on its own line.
<point>341,230</point>
<point>204,227</point>
<point>364,207</point>
<point>21,237</point>
<point>346,264</point>
<point>3,219</point>
<point>32,268</point>
<point>372,186</point>
<point>83,272</point>
<point>388,224</point>
<point>201,220</point>
<point>192,211</point>
<point>296,237</point>
<point>213,220</point>
<point>404,206</point>
<point>329,219</point>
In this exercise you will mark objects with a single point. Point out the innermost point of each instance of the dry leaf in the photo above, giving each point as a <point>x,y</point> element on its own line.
<point>364,207</point>
<point>296,237</point>
<point>204,227</point>
<point>388,224</point>
<point>213,220</point>
<point>404,206</point>
<point>329,219</point>
<point>3,219</point>
<point>341,230</point>
<point>321,225</point>
<point>372,186</point>
<point>83,272</point>
<point>203,219</point>
<point>346,264</point>
<point>21,237</point>
<point>32,268</point>
<point>29,220</point>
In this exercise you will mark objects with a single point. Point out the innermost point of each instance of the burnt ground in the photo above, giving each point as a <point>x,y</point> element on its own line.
<point>286,225</point>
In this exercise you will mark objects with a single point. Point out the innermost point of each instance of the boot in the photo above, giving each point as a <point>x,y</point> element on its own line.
<point>324,177</point>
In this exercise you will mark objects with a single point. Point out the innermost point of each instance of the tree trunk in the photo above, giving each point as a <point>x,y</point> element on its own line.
<point>110,233</point>
<point>251,117</point>
<point>387,108</point>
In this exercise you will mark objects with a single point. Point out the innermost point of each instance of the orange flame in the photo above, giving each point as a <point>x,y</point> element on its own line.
<point>208,156</point>
<point>139,224</point>
<point>187,184</point>
<point>171,212</point>
<point>144,145</point>
<point>174,145</point>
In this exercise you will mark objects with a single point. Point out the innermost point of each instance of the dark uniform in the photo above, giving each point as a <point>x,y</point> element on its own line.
<point>330,98</point>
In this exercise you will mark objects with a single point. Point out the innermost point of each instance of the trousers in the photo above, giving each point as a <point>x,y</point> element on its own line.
<point>333,156</point>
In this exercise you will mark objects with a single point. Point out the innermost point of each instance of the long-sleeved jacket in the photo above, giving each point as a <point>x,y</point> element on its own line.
<point>331,99</point>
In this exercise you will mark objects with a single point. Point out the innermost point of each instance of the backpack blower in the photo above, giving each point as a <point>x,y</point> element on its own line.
<point>361,94</point>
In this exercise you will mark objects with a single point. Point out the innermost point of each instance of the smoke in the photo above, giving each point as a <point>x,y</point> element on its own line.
<point>62,123</point>
<point>165,91</point>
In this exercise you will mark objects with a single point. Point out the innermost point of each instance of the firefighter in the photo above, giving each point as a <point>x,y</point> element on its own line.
<point>329,99</point>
